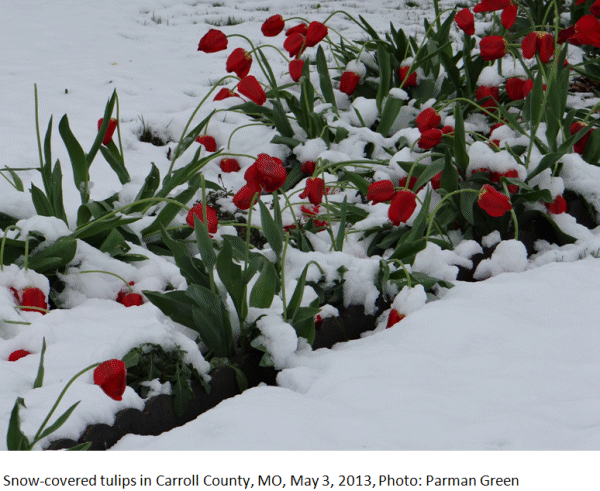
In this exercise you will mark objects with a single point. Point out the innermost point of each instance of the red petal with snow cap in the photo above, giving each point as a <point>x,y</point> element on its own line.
<point>111,377</point>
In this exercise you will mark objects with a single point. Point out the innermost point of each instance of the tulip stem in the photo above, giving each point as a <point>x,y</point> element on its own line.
<point>6,230</point>
<point>37,436</point>
<point>512,212</point>
<point>108,272</point>
<point>436,209</point>
<point>248,228</point>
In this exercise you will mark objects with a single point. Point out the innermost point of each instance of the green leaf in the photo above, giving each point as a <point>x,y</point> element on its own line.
<point>360,182</point>
<point>56,195</point>
<point>230,274</point>
<point>174,304</point>
<point>324,79</point>
<point>192,270</point>
<point>111,155</point>
<point>205,244</point>
<point>385,73</point>
<point>81,446</point>
<point>449,177</point>
<point>429,172</point>
<point>114,243</point>
<point>281,121</point>
<point>467,200</point>
<point>263,291</point>
<point>532,110</point>
<point>273,234</point>
<point>58,423</point>
<point>15,438</point>
<point>408,249</point>
<point>389,115</point>
<point>461,156</point>
<point>17,182</point>
<point>304,322</point>
<point>147,190</point>
<point>547,161</point>
<point>61,253</point>
<point>294,303</point>
<point>102,131</point>
<point>211,321</point>
<point>79,163</point>
<point>46,174</point>
<point>341,235</point>
<point>40,202</point>
<point>187,141</point>
<point>591,153</point>
<point>39,379</point>
<point>102,224</point>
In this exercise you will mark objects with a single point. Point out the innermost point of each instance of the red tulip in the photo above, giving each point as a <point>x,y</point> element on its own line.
<point>349,82</point>
<point>587,31</point>
<point>394,318</point>
<point>112,126</point>
<point>558,206</point>
<point>273,26</point>
<point>239,61</point>
<point>17,355</point>
<point>250,87</point>
<point>310,211</point>
<point>295,68</point>
<point>411,80</point>
<point>402,206</point>
<point>208,141</point>
<point>430,138</point>
<point>211,217</point>
<point>491,5</point>
<point>492,92</point>
<point>509,15</point>
<point>132,299</point>
<point>229,165</point>
<point>579,145</point>
<point>308,167</point>
<point>436,181</point>
<point>34,297</point>
<point>271,171</point>
<point>380,191</point>
<point>295,44</point>
<point>538,42</point>
<point>213,41</point>
<point>565,34</point>
<point>299,29</point>
<point>512,188</point>
<point>448,130</point>
<point>493,202</point>
<point>243,198</point>
<point>517,88</point>
<point>224,93</point>
<point>428,119</point>
<point>322,224</point>
<point>411,184</point>
<point>465,20</point>
<point>316,33</point>
<point>111,376</point>
<point>492,47</point>
<point>595,8</point>
<point>124,292</point>
<point>314,190</point>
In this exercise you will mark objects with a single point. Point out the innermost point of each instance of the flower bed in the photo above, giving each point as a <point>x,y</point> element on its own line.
<point>393,165</point>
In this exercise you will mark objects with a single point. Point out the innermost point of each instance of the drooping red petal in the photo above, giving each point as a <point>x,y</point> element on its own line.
<point>34,297</point>
<point>428,119</point>
<point>211,217</point>
<point>295,44</point>
<point>492,47</point>
<point>509,15</point>
<point>380,191</point>
<point>430,138</point>
<point>295,68</point>
<point>112,126</point>
<point>394,318</point>
<point>348,82</point>
<point>529,45</point>
<point>316,33</point>
<point>243,198</point>
<point>558,206</point>
<point>229,165</point>
<point>250,88</point>
<point>208,142</point>
<point>402,206</point>
<point>213,41</point>
<point>411,80</point>
<point>17,355</point>
<point>273,26</point>
<point>493,202</point>
<point>465,20</point>
<point>111,376</point>
<point>239,61</point>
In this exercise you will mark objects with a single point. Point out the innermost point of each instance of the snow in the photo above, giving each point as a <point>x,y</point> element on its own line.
<point>507,363</point>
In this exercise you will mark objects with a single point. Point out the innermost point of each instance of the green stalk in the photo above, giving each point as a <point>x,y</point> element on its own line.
<point>8,229</point>
<point>436,209</point>
<point>283,297</point>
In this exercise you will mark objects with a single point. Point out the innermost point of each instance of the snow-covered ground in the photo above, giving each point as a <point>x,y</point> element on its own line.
<point>508,363</point>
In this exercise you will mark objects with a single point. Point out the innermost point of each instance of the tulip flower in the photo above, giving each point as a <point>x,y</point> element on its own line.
<point>213,41</point>
<point>211,217</point>
<point>538,42</point>
<point>411,184</point>
<point>348,82</point>
<point>430,138</point>
<point>436,181</point>
<point>124,292</point>
<point>208,141</point>
<point>411,80</point>
<point>595,8</point>
<point>492,92</point>
<point>271,172</point>
<point>579,145</point>
<point>250,88</point>
<point>229,165</point>
<point>558,206</point>
<point>517,88</point>
<point>491,5</point>
<point>17,355</point>
<point>243,198</point>
<point>132,299</point>
<point>465,20</point>
<point>33,297</point>
<point>587,31</point>
<point>295,68</point>
<point>448,130</point>
<point>308,167</point>
<point>494,203</point>
<point>394,318</point>
<point>492,48</point>
<point>402,206</point>
<point>224,93</point>
<point>273,26</point>
<point>239,61</point>
<point>380,191</point>
<point>509,15</point>
<point>428,119</point>
<point>299,29</point>
<point>565,34</point>
<point>111,376</point>
<point>314,190</point>
<point>295,44</point>
<point>112,126</point>
<point>315,33</point>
